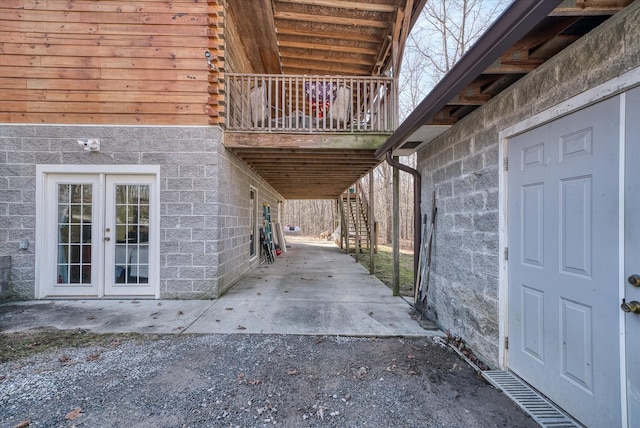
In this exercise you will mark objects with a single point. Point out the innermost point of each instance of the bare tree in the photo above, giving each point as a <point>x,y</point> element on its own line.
<point>444,32</point>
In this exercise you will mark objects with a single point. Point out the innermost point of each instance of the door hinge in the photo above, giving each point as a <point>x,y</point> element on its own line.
<point>506,342</point>
<point>505,163</point>
<point>506,253</point>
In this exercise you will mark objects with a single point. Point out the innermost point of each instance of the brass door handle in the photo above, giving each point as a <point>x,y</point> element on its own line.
<point>631,307</point>
<point>634,280</point>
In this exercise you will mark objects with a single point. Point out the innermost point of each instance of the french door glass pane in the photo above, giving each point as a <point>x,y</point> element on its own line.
<point>74,233</point>
<point>132,234</point>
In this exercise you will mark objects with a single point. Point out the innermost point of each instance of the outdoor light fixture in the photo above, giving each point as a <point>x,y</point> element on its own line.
<point>90,145</point>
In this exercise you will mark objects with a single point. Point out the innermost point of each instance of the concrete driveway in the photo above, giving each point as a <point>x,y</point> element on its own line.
<point>312,289</point>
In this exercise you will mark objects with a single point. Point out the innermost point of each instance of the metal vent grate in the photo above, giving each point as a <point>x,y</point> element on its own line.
<point>538,407</point>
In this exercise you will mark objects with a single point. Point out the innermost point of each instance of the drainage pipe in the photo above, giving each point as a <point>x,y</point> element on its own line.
<point>417,202</point>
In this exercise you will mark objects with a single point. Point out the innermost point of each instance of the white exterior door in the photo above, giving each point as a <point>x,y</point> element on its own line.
<point>69,251</point>
<point>631,291</point>
<point>563,239</point>
<point>99,235</point>
<point>129,247</point>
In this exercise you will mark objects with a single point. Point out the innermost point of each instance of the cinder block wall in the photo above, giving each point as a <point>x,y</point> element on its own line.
<point>463,167</point>
<point>5,276</point>
<point>235,183</point>
<point>204,192</point>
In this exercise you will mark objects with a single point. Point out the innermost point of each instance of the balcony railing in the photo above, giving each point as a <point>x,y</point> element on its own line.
<point>290,103</point>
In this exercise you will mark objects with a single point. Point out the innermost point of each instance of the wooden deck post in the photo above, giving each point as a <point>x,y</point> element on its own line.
<point>348,220</point>
<point>371,225</point>
<point>356,242</point>
<point>395,233</point>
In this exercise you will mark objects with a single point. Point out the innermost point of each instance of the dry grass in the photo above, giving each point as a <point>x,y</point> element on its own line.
<point>383,267</point>
<point>14,346</point>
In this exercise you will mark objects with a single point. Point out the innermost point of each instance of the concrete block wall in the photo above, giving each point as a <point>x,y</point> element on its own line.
<point>197,213</point>
<point>236,181</point>
<point>463,167</point>
<point>5,276</point>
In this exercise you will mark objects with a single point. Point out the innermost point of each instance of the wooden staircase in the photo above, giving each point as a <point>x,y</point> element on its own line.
<point>354,213</point>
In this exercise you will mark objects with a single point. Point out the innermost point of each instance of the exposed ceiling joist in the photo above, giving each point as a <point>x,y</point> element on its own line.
<point>327,47</point>
<point>331,19</point>
<point>349,5</point>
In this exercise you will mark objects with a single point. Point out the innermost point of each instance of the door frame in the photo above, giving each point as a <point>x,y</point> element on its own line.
<point>611,88</point>
<point>42,242</point>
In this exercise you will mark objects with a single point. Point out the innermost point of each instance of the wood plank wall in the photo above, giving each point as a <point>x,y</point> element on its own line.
<point>110,62</point>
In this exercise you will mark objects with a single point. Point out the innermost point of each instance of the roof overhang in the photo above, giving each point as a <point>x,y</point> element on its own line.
<point>528,33</point>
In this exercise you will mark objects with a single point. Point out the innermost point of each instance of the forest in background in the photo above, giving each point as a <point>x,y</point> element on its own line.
<point>445,31</point>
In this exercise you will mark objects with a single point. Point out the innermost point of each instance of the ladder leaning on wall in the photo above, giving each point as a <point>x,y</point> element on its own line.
<point>266,236</point>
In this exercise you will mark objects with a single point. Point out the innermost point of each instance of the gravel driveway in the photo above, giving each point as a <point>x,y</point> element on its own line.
<point>223,380</point>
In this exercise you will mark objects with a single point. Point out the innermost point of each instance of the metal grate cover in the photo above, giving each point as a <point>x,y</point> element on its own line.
<point>539,408</point>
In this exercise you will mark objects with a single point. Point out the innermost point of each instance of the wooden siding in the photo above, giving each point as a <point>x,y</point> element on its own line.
<point>108,62</point>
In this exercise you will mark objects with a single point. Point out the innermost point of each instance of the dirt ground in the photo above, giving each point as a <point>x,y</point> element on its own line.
<point>245,381</point>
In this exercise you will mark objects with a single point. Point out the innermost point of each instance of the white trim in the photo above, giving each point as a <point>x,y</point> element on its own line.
<point>613,87</point>
<point>622,259</point>
<point>503,265</point>
<point>100,171</point>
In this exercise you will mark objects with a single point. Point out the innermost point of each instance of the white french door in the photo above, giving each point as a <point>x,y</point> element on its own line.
<point>103,238</point>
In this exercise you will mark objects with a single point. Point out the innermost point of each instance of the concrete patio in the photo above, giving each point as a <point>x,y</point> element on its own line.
<point>312,289</point>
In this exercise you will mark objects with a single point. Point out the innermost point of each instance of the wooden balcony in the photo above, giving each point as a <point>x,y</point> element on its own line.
<point>309,104</point>
<point>310,137</point>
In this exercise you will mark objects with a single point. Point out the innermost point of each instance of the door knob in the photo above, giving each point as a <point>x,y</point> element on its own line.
<point>107,238</point>
<point>634,280</point>
<point>632,306</point>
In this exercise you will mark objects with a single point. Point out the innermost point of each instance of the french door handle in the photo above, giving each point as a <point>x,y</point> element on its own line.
<point>107,238</point>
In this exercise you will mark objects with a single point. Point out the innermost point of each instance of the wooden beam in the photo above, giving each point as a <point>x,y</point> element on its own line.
<point>327,47</point>
<point>591,7</point>
<point>349,5</point>
<point>300,68</point>
<point>319,58</point>
<point>308,141</point>
<point>330,19</point>
<point>336,35</point>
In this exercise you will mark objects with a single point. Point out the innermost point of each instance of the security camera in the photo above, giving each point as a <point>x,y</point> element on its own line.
<point>207,55</point>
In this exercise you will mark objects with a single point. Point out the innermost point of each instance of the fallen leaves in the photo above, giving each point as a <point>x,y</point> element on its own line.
<point>66,361</point>
<point>458,344</point>
<point>93,357</point>
<point>293,372</point>
<point>240,377</point>
<point>74,414</point>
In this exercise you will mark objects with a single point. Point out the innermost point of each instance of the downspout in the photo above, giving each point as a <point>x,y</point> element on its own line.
<point>417,202</point>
